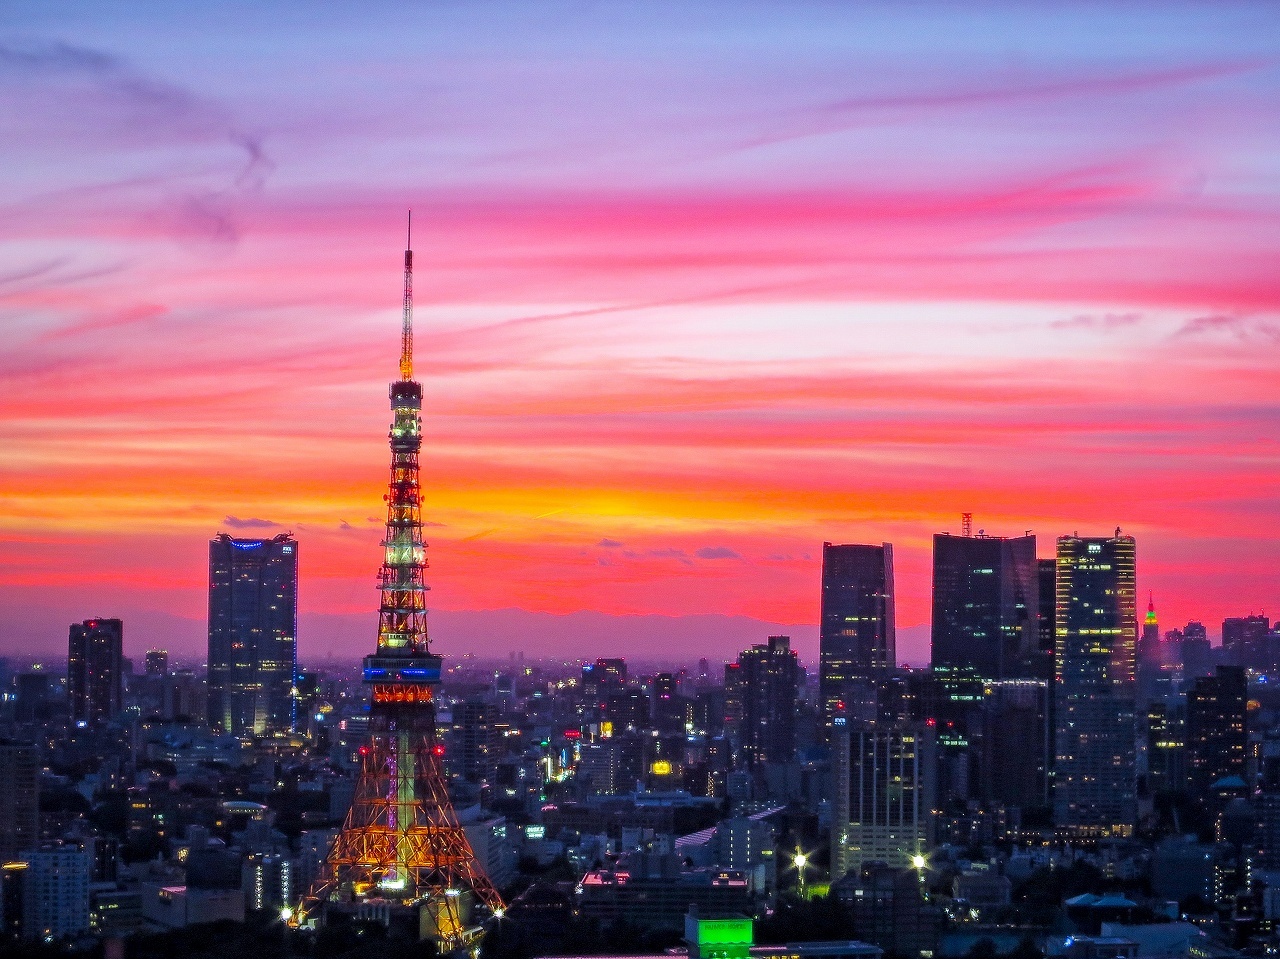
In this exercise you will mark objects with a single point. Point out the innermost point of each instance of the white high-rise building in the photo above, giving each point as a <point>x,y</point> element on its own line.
<point>884,795</point>
<point>56,891</point>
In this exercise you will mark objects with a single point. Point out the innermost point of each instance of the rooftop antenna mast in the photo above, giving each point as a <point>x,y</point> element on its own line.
<point>966,523</point>
<point>406,329</point>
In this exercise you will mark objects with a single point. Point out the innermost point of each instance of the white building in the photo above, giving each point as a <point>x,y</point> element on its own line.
<point>56,891</point>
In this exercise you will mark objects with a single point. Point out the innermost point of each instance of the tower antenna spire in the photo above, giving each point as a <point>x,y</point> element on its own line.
<point>406,329</point>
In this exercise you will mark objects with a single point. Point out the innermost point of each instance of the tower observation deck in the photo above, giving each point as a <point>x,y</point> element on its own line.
<point>401,857</point>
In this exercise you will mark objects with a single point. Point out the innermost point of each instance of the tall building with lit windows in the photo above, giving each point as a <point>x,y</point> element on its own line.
<point>95,671</point>
<point>884,794</point>
<point>986,603</point>
<point>857,644</point>
<point>770,674</point>
<point>253,633</point>
<point>1217,722</point>
<point>1095,633</point>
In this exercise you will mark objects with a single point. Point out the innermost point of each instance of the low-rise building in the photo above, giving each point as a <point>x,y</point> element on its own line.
<point>654,893</point>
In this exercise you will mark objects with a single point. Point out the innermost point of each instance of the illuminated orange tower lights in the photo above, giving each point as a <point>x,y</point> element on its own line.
<point>401,854</point>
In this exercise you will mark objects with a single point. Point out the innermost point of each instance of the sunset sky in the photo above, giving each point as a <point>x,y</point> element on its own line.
<point>700,285</point>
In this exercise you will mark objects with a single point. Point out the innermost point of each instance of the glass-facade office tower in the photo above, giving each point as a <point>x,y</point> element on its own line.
<point>1095,634</point>
<point>986,606</point>
<point>95,671</point>
<point>857,644</point>
<point>986,658</point>
<point>253,630</point>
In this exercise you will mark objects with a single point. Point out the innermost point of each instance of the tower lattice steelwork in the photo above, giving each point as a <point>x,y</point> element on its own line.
<point>401,854</point>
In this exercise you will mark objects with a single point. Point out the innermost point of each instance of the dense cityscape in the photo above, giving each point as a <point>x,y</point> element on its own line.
<point>1064,778</point>
<point>1061,766</point>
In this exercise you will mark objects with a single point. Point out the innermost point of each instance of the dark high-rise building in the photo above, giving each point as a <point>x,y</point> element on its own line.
<point>472,742</point>
<point>770,673</point>
<point>1195,651</point>
<point>627,709</point>
<point>602,677</point>
<point>35,697</point>
<point>13,895</point>
<point>709,710</point>
<point>95,671</point>
<point>156,662</point>
<point>671,711</point>
<point>986,606</point>
<point>253,630</point>
<point>1048,569</point>
<point>1095,626</point>
<point>1216,728</point>
<point>1166,746</point>
<point>735,694</point>
<point>19,799</point>
<point>1016,744</point>
<point>1244,639</point>
<point>857,642</point>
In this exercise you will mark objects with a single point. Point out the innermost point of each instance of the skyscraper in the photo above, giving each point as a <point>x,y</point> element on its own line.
<point>1150,624</point>
<point>1095,626</point>
<point>95,671</point>
<point>1244,639</point>
<point>157,662</point>
<point>253,633</point>
<point>986,602</point>
<point>472,741</point>
<point>1217,711</point>
<point>770,673</point>
<point>1195,651</point>
<point>1156,668</point>
<point>884,794</point>
<point>1048,569</point>
<point>857,641</point>
<point>19,798</point>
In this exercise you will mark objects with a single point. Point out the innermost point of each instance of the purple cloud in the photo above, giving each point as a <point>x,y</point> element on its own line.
<point>253,522</point>
<point>1240,327</point>
<point>717,552</point>
<point>1106,322</point>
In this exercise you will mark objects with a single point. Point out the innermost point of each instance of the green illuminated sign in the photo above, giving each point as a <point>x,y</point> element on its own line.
<point>724,932</point>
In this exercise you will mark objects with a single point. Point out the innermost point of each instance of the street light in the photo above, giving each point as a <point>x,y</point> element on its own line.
<point>800,860</point>
<point>918,862</point>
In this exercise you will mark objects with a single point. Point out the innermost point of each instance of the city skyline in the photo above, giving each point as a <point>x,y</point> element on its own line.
<point>689,306</point>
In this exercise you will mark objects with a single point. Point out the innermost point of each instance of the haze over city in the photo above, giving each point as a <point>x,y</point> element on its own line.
<point>700,287</point>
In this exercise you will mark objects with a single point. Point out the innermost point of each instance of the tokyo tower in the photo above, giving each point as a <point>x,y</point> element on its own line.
<point>402,858</point>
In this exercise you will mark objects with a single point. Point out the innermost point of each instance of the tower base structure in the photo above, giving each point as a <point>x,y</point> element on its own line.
<point>402,859</point>
<point>451,926</point>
